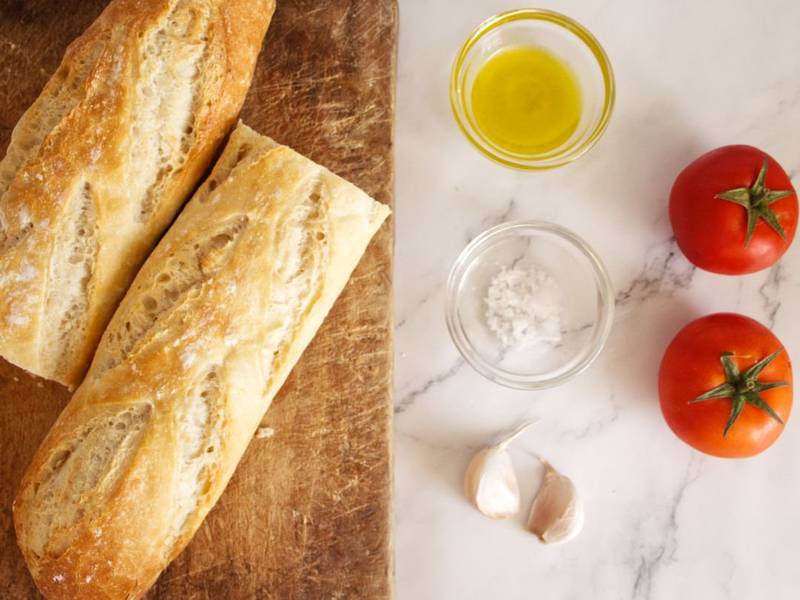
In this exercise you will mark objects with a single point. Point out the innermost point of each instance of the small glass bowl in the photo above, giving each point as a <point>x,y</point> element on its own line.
<point>562,37</point>
<point>586,294</point>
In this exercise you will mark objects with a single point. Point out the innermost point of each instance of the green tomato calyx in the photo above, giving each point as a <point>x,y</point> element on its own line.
<point>756,200</point>
<point>743,388</point>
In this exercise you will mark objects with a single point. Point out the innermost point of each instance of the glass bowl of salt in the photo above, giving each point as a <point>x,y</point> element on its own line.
<point>529,304</point>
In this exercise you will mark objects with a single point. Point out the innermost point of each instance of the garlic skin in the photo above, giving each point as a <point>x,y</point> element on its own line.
<point>557,512</point>
<point>491,484</point>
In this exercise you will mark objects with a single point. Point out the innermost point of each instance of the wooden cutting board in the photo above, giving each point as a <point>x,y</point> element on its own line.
<point>308,513</point>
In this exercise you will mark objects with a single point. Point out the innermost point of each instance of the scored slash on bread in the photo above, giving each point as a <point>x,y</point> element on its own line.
<point>102,161</point>
<point>207,334</point>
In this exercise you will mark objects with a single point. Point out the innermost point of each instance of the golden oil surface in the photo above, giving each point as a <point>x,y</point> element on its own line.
<point>526,100</point>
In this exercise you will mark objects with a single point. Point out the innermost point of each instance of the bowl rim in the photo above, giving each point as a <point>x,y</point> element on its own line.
<point>571,153</point>
<point>474,250</point>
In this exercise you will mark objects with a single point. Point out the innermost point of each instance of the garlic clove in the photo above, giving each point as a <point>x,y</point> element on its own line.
<point>557,512</point>
<point>491,484</point>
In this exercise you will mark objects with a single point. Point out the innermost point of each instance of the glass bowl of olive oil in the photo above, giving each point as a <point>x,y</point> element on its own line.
<point>532,89</point>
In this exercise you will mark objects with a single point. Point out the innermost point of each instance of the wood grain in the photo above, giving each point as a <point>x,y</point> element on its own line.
<point>308,513</point>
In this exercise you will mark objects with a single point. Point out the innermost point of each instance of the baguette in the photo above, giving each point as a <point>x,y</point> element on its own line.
<point>102,161</point>
<point>209,331</point>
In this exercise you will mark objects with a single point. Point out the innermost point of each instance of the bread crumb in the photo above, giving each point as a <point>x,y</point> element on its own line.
<point>58,578</point>
<point>88,579</point>
<point>264,433</point>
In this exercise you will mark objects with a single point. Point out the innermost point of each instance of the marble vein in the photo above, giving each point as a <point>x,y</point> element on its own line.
<point>432,292</point>
<point>595,426</point>
<point>665,271</point>
<point>408,400</point>
<point>770,293</point>
<point>651,562</point>
<point>502,215</point>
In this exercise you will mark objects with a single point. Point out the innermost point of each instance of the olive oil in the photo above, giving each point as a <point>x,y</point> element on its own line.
<point>526,100</point>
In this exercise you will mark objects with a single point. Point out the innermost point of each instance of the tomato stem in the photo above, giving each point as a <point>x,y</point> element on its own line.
<point>756,200</point>
<point>743,388</point>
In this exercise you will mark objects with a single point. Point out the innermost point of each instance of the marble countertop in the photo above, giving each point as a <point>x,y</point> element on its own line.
<point>662,521</point>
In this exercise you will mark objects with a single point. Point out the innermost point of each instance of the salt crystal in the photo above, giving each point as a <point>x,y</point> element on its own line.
<point>524,306</point>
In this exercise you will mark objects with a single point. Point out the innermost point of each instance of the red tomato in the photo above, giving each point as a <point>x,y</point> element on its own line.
<point>719,411</point>
<point>718,199</point>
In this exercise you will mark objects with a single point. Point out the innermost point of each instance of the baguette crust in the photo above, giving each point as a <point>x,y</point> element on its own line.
<point>210,329</point>
<point>102,161</point>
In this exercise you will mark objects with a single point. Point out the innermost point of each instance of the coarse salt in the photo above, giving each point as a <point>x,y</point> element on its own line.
<point>524,306</point>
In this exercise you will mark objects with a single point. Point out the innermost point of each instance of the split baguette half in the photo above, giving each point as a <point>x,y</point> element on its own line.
<point>210,329</point>
<point>100,164</point>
